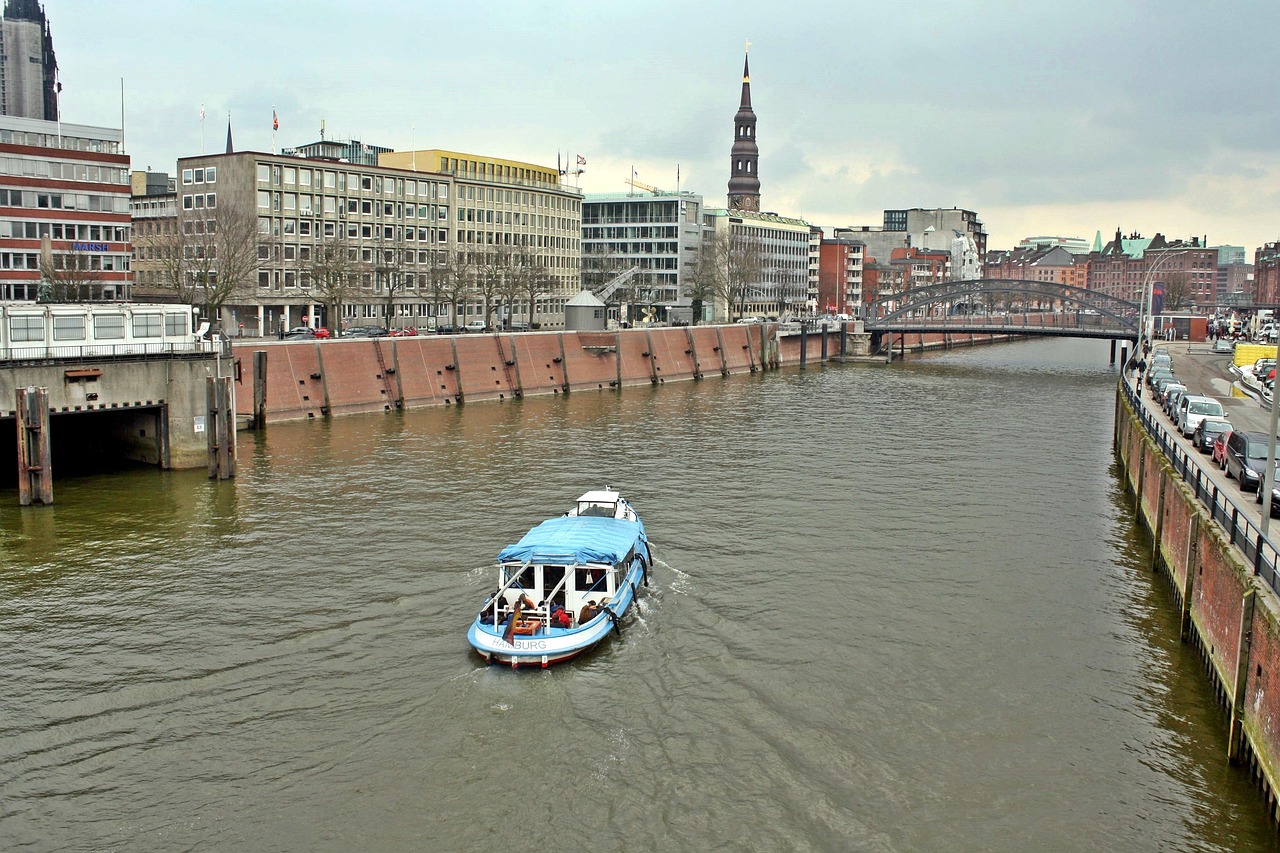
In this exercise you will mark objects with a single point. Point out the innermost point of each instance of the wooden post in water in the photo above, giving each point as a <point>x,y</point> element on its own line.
<point>35,474</point>
<point>221,428</point>
<point>804,348</point>
<point>844,341</point>
<point>259,389</point>
<point>824,344</point>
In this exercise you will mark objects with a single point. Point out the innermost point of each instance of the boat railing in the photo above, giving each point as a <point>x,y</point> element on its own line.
<point>513,580</point>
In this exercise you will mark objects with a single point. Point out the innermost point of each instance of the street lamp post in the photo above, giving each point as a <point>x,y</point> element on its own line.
<point>1144,307</point>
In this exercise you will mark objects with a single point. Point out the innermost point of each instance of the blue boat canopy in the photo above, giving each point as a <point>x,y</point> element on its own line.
<point>571,539</point>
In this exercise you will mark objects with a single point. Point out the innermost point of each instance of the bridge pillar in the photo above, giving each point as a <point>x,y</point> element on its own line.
<point>35,474</point>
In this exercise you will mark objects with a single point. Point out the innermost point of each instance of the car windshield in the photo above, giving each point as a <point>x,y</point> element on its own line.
<point>1257,450</point>
<point>1215,426</point>
<point>1204,407</point>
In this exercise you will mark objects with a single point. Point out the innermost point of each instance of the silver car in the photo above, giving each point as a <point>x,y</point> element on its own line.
<point>1192,409</point>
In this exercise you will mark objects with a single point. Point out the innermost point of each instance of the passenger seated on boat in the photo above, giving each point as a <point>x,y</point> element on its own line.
<point>589,612</point>
<point>560,617</point>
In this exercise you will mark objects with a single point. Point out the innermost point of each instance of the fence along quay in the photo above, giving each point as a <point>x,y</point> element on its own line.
<point>1223,575</point>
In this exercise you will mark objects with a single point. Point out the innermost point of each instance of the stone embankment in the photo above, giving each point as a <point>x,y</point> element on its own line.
<point>295,380</point>
<point>1228,612</point>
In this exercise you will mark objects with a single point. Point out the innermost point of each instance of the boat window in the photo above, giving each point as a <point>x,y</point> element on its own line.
<point>590,580</point>
<point>526,578</point>
<point>594,510</point>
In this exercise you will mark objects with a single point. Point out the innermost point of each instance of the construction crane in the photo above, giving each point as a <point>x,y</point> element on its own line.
<point>639,186</point>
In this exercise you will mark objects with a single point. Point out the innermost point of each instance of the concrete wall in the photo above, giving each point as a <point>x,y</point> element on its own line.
<point>1229,614</point>
<point>133,392</point>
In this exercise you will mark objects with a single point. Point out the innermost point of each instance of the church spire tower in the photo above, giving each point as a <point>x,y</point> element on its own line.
<point>744,182</point>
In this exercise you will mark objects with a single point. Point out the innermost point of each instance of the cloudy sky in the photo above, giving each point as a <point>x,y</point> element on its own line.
<point>1047,118</point>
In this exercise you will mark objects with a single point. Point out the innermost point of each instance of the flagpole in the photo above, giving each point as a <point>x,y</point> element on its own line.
<point>202,130</point>
<point>274,121</point>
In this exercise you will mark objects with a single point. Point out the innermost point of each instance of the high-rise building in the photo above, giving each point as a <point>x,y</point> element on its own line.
<point>28,68</point>
<point>744,178</point>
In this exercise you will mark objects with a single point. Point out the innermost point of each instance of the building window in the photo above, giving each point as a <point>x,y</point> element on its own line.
<point>109,327</point>
<point>68,328</point>
<point>187,202</point>
<point>187,176</point>
<point>211,175</point>
<point>147,325</point>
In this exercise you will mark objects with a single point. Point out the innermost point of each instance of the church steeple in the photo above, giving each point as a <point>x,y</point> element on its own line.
<point>744,180</point>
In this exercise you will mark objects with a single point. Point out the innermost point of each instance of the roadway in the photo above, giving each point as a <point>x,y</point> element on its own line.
<point>1208,373</point>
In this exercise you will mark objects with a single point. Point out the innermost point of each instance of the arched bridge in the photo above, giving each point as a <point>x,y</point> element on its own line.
<point>1012,306</point>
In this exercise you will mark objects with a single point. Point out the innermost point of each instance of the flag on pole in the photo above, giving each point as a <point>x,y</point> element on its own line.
<point>582,161</point>
<point>202,112</point>
<point>275,121</point>
<point>559,168</point>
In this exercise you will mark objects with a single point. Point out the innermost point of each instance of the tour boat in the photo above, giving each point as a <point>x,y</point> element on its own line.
<point>565,585</point>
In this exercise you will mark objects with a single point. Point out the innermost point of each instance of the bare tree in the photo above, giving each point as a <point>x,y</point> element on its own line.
<point>457,282</point>
<point>67,277</point>
<point>334,274</point>
<point>210,257</point>
<point>389,262</point>
<point>1177,290</point>
<point>531,279</point>
<point>492,269</point>
<point>729,270</point>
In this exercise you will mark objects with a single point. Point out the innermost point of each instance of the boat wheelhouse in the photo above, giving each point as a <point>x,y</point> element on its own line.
<point>565,585</point>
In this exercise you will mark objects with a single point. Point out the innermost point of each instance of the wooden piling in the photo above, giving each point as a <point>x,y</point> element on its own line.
<point>35,473</point>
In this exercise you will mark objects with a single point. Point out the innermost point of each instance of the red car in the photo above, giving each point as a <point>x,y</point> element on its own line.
<point>1220,449</point>
<point>406,332</point>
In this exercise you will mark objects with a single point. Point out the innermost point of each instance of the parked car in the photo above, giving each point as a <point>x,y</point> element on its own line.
<point>1158,373</point>
<point>1223,345</point>
<point>406,332</point>
<point>1246,458</point>
<point>365,332</point>
<point>1275,495</point>
<point>518,327</point>
<point>474,326</point>
<point>1192,409</point>
<point>1206,433</point>
<point>1219,454</point>
<point>1169,392</point>
<point>308,332</point>
<point>446,329</point>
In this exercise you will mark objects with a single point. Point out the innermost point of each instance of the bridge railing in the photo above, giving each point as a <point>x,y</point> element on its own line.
<point>44,352</point>
<point>1032,320</point>
<point>1223,506</point>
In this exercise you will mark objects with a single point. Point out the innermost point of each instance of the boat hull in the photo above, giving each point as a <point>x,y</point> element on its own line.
<point>555,645</point>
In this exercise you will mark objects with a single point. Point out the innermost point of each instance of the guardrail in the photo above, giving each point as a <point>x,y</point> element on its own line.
<point>41,352</point>
<point>1223,507</point>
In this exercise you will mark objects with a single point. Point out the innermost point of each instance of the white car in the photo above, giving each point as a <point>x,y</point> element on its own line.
<point>1192,409</point>
<point>475,326</point>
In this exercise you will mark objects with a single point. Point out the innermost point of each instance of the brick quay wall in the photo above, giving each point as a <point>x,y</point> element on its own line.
<point>307,379</point>
<point>1227,611</point>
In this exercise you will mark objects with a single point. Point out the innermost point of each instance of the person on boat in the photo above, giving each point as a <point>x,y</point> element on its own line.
<point>560,617</point>
<point>589,612</point>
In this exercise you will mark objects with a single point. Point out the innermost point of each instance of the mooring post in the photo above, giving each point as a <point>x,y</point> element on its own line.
<point>35,474</point>
<point>1113,351</point>
<point>844,341</point>
<point>1235,733</point>
<point>804,348</point>
<point>221,428</point>
<point>824,344</point>
<point>259,389</point>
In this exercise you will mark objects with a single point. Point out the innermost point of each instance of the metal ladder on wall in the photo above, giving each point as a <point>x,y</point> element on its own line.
<point>385,375</point>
